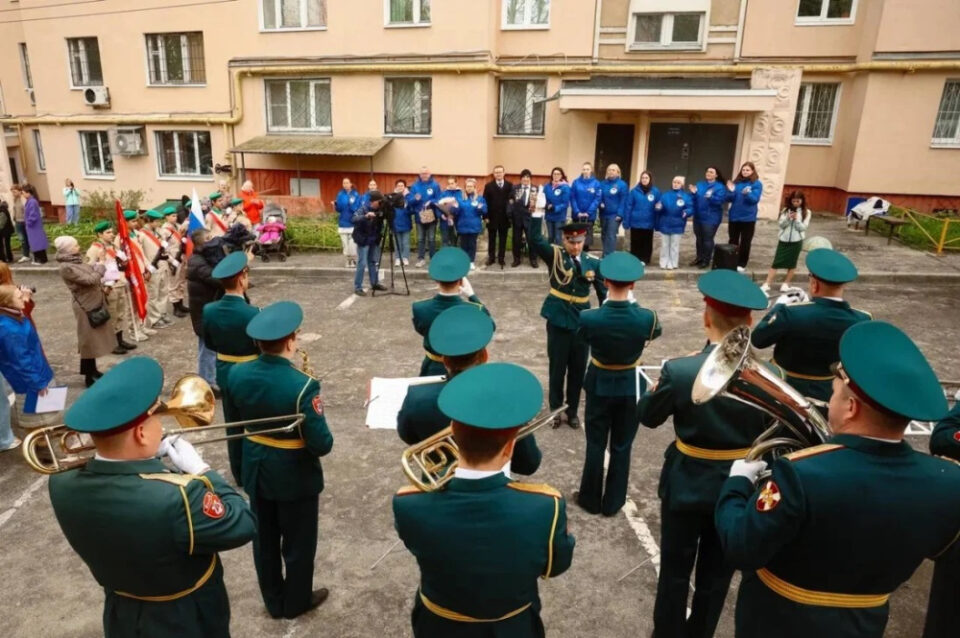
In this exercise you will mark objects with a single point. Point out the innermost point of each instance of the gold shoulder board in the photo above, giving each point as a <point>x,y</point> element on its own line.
<point>535,488</point>
<point>408,489</point>
<point>946,458</point>
<point>866,312</point>
<point>812,451</point>
<point>181,480</point>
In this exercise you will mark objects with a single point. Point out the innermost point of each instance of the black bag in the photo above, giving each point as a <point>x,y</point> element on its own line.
<point>98,316</point>
<point>725,257</point>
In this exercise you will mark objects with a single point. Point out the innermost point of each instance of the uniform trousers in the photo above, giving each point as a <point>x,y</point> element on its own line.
<point>177,283</point>
<point>157,296</point>
<point>641,244</point>
<point>284,550</point>
<point>669,250</point>
<point>943,613</point>
<point>741,234</point>
<point>609,421</point>
<point>234,446</point>
<point>568,361</point>
<point>116,297</point>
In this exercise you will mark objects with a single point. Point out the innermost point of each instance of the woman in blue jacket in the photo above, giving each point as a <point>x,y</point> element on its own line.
<point>613,199</point>
<point>402,225</point>
<point>745,194</point>
<point>423,191</point>
<point>346,204</point>
<point>585,199</point>
<point>674,208</point>
<point>447,221</point>
<point>469,212</point>
<point>641,217</point>
<point>709,196</point>
<point>557,196</point>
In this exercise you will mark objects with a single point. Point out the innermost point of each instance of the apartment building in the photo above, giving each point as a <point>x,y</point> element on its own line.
<point>837,97</point>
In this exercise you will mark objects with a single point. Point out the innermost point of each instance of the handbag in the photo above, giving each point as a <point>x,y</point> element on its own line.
<point>98,316</point>
<point>427,215</point>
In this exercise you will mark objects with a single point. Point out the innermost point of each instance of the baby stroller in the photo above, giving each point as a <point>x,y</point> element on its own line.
<point>271,234</point>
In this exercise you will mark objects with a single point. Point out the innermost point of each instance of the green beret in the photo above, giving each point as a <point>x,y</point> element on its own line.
<point>154,214</point>
<point>276,321</point>
<point>232,264</point>
<point>492,396</point>
<point>130,214</point>
<point>215,196</point>
<point>830,266</point>
<point>733,289</point>
<point>621,266</point>
<point>235,201</point>
<point>449,264</point>
<point>102,226</point>
<point>124,393</point>
<point>460,330</point>
<point>882,363</point>
<point>169,210</point>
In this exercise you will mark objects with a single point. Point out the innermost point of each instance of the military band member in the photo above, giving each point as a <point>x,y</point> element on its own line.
<point>839,526</point>
<point>806,336</point>
<point>572,271</point>
<point>481,579</point>
<point>216,224</point>
<point>103,250</point>
<point>281,472</point>
<point>175,242</point>
<point>616,333</point>
<point>157,263</point>
<point>460,336</point>
<point>149,536</point>
<point>225,332</point>
<point>709,438</point>
<point>449,268</point>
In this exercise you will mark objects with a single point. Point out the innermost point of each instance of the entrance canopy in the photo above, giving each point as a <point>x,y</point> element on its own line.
<point>664,94</point>
<point>312,145</point>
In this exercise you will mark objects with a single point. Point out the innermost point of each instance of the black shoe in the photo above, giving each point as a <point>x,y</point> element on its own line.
<point>695,262</point>
<point>557,422</point>
<point>90,379</point>
<point>573,421</point>
<point>179,310</point>
<point>534,264</point>
<point>516,262</point>
<point>702,265</point>
<point>379,287</point>
<point>490,261</point>
<point>359,292</point>
<point>118,350</point>
<point>316,599</point>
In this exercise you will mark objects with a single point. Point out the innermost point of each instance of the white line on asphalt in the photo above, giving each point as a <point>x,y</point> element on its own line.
<point>644,535</point>
<point>291,629</point>
<point>23,498</point>
<point>346,303</point>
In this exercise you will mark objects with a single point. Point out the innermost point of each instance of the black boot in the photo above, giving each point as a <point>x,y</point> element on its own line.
<point>179,310</point>
<point>88,368</point>
<point>124,344</point>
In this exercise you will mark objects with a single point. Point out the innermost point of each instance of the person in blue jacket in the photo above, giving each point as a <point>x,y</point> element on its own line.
<point>641,217</point>
<point>745,193</point>
<point>365,198</point>
<point>346,204</point>
<point>709,196</point>
<point>613,199</point>
<point>402,225</point>
<point>585,199</point>
<point>445,217</point>
<point>673,210</point>
<point>423,191</point>
<point>557,196</point>
<point>469,212</point>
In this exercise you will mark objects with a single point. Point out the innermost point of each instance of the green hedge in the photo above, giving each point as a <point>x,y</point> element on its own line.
<point>912,236</point>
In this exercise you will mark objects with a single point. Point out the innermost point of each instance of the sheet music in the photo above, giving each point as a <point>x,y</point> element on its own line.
<point>386,397</point>
<point>53,401</point>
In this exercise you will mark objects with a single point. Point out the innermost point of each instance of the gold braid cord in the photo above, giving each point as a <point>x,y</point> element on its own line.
<point>558,272</point>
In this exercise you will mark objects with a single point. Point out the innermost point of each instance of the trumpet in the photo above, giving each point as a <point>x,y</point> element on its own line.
<point>57,448</point>
<point>429,464</point>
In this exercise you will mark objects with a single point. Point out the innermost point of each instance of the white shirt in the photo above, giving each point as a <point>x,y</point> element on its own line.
<point>473,475</point>
<point>500,184</point>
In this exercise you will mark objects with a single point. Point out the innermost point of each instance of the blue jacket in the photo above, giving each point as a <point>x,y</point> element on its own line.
<point>468,213</point>
<point>744,206</point>
<point>558,201</point>
<point>613,197</point>
<point>585,197</point>
<point>346,205</point>
<point>676,206</point>
<point>403,219</point>
<point>422,192</point>
<point>641,211</point>
<point>22,361</point>
<point>708,202</point>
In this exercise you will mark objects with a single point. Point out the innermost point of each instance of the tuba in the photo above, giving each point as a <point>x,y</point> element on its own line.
<point>733,371</point>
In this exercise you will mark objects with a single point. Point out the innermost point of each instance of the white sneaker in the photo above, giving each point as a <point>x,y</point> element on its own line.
<point>473,266</point>
<point>23,260</point>
<point>141,337</point>
<point>13,446</point>
<point>420,264</point>
<point>784,288</point>
<point>406,262</point>
<point>765,288</point>
<point>148,330</point>
<point>396,262</point>
<point>741,269</point>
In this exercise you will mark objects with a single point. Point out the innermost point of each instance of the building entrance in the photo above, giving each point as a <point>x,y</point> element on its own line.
<point>687,149</point>
<point>614,146</point>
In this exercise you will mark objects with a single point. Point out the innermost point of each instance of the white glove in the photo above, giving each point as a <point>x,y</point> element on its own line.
<point>466,288</point>
<point>748,469</point>
<point>186,458</point>
<point>164,448</point>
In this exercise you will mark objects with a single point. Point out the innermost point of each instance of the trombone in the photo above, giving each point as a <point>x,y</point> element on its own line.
<point>57,448</point>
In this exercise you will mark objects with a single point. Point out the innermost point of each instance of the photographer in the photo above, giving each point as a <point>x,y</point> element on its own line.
<point>367,229</point>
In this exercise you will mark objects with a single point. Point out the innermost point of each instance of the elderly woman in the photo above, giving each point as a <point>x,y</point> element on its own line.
<point>33,222</point>
<point>83,281</point>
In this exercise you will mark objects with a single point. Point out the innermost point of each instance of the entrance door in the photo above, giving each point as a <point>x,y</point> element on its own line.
<point>687,149</point>
<point>614,146</point>
<point>14,173</point>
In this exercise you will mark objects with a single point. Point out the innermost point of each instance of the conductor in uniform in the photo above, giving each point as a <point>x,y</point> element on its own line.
<point>149,536</point>
<point>481,579</point>
<point>282,474</point>
<point>709,437</point>
<point>837,527</point>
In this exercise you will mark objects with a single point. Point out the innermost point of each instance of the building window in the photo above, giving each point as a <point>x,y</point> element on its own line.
<point>293,14</point>
<point>826,11</point>
<point>176,58</point>
<point>84,54</point>
<point>946,130</point>
<point>25,70</point>
<point>526,14</point>
<point>408,12</point>
<point>298,105</point>
<point>184,153</point>
<point>41,160</point>
<point>816,113</point>
<point>522,107</point>
<point>407,106</point>
<point>96,153</point>
<point>670,30</point>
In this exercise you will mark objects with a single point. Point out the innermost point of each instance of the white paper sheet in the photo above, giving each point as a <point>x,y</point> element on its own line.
<point>53,401</point>
<point>385,398</point>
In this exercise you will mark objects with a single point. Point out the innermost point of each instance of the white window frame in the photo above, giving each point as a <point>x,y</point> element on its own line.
<point>84,62</point>
<point>38,145</point>
<point>666,33</point>
<point>185,56</point>
<point>530,92</point>
<point>526,25</point>
<point>822,20</point>
<point>25,72</point>
<point>179,175</point>
<point>417,116</point>
<point>303,18</point>
<point>945,142</point>
<point>324,130</point>
<point>103,143</point>
<point>417,23</point>
<point>805,114</point>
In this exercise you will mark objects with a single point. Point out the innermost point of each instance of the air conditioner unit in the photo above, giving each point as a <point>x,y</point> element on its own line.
<point>96,96</point>
<point>128,141</point>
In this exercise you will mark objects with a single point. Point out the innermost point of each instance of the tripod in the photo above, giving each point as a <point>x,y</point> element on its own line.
<point>389,239</point>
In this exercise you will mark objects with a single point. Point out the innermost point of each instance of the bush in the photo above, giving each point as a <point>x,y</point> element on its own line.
<point>99,204</point>
<point>912,236</point>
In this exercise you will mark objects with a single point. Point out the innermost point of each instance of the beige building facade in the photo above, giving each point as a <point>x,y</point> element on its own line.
<point>839,98</point>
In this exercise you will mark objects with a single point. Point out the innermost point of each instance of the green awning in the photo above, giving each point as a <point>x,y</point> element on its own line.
<point>312,145</point>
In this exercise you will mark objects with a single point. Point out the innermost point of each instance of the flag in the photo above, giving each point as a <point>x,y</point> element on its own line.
<point>134,272</point>
<point>194,221</point>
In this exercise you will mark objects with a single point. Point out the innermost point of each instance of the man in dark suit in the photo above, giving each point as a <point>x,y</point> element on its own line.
<point>523,200</point>
<point>497,192</point>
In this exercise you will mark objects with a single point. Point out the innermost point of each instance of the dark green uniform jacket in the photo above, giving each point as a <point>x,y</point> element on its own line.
<point>945,440</point>
<point>148,532</point>
<point>424,312</point>
<point>481,546</point>
<point>943,612</point>
<point>806,340</point>
<point>853,517</point>
<point>420,418</point>
<point>617,332</point>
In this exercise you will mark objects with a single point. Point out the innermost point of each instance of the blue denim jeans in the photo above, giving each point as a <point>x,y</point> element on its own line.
<point>468,242</point>
<point>206,363</point>
<point>705,234</point>
<point>554,234</point>
<point>24,241</point>
<point>426,233</point>
<point>367,257</point>
<point>6,433</point>
<point>608,234</point>
<point>403,245</point>
<point>73,214</point>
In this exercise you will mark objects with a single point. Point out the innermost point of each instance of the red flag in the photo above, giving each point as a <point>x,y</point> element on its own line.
<point>138,287</point>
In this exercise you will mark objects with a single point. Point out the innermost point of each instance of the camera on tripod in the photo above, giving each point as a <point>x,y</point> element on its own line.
<point>389,204</point>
